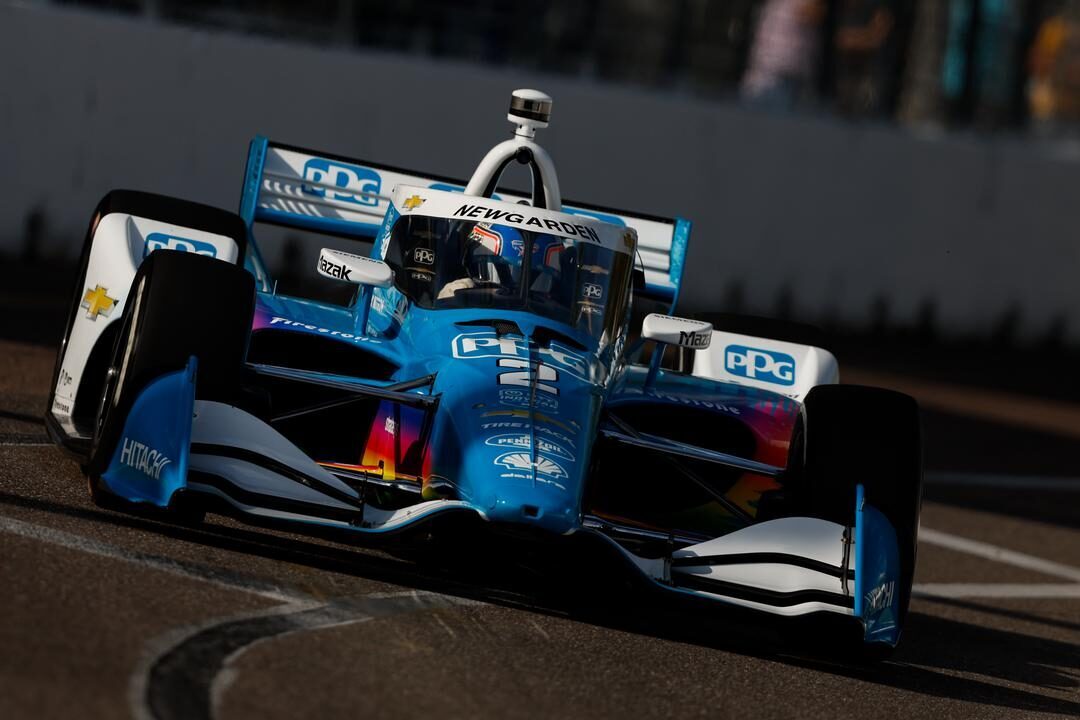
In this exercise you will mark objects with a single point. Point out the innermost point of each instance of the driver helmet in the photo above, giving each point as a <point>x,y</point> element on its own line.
<point>494,253</point>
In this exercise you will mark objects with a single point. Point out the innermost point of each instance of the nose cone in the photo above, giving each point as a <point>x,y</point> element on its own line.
<point>514,422</point>
<point>517,476</point>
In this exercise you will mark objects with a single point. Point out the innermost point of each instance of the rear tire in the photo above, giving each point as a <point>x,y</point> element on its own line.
<point>853,435</point>
<point>163,209</point>
<point>181,305</point>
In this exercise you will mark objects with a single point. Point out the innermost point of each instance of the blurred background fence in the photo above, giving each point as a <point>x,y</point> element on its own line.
<point>861,164</point>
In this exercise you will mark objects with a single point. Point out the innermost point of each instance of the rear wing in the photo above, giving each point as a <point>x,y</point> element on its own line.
<point>311,190</point>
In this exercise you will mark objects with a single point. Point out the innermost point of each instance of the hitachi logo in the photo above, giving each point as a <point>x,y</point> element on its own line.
<point>145,459</point>
<point>881,597</point>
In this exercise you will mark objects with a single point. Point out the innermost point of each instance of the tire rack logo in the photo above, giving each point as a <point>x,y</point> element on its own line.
<point>881,597</point>
<point>540,429</point>
<point>524,442</point>
<point>342,182</point>
<point>97,302</point>
<point>143,458</point>
<point>757,364</point>
<point>592,291</point>
<point>164,241</point>
<point>523,461</point>
<point>334,270</point>
<point>424,256</point>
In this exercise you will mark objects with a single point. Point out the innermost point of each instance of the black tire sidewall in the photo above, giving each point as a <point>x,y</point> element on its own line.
<point>856,435</point>
<point>180,305</point>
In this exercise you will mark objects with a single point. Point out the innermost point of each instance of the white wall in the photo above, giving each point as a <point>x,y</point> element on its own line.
<point>840,214</point>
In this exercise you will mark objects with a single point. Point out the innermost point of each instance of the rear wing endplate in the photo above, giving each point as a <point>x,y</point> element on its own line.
<point>311,190</point>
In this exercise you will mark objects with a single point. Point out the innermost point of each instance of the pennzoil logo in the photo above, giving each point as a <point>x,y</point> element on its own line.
<point>97,302</point>
<point>524,442</point>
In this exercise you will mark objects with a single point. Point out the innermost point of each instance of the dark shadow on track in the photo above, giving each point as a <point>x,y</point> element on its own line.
<point>966,445</point>
<point>1005,612</point>
<point>21,417</point>
<point>934,647</point>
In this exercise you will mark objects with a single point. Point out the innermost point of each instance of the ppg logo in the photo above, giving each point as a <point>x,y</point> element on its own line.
<point>756,364</point>
<point>423,256</point>
<point>592,291</point>
<point>164,241</point>
<point>358,185</point>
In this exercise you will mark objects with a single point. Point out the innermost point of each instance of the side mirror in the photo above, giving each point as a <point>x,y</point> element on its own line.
<point>355,269</point>
<point>677,331</point>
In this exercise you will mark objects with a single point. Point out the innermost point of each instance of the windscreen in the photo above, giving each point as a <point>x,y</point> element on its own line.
<point>445,263</point>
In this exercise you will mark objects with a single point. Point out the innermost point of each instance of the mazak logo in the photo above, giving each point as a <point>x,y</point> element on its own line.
<point>694,339</point>
<point>423,256</point>
<point>342,182</point>
<point>164,241</point>
<point>524,442</point>
<point>334,270</point>
<point>592,291</point>
<point>143,458</point>
<point>756,364</point>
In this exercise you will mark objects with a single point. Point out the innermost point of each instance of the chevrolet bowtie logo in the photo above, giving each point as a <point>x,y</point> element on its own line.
<point>413,202</point>
<point>97,302</point>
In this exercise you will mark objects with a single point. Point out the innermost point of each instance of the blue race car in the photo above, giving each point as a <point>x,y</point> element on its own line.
<point>492,357</point>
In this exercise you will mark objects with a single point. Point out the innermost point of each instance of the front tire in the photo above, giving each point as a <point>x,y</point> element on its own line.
<point>852,435</point>
<point>180,305</point>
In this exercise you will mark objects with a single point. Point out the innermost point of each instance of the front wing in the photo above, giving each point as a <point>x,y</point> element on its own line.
<point>788,566</point>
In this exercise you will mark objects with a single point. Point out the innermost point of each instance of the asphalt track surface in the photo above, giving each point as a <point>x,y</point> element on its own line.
<point>106,614</point>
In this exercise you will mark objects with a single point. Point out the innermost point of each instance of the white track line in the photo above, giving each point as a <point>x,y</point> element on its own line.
<point>222,578</point>
<point>998,554</point>
<point>1008,482</point>
<point>1039,591</point>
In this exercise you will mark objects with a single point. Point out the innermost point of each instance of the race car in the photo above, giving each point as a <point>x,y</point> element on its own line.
<point>491,356</point>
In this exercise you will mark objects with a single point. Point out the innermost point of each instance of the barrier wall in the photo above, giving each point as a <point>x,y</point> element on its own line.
<point>832,220</point>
